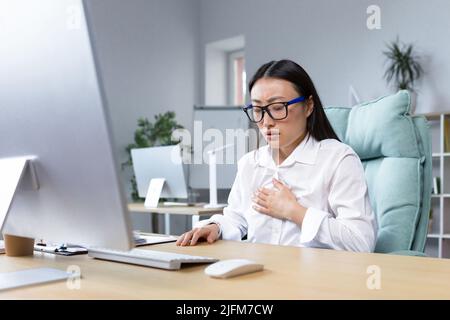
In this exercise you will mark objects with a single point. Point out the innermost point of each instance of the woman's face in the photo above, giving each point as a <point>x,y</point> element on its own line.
<point>281,133</point>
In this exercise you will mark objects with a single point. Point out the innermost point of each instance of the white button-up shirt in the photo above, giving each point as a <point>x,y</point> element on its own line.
<point>327,178</point>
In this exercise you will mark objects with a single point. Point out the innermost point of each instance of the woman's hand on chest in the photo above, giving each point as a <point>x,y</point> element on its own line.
<point>279,202</point>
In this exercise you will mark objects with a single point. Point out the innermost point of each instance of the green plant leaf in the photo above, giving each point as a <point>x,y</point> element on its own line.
<point>403,65</point>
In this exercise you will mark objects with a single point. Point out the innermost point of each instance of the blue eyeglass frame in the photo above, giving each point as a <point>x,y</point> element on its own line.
<point>265,109</point>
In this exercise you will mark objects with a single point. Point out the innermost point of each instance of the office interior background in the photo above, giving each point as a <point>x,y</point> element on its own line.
<point>169,55</point>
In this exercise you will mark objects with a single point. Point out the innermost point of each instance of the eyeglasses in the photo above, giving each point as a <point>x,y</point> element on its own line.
<point>275,110</point>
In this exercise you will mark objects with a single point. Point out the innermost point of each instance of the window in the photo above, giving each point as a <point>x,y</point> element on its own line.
<point>225,82</point>
<point>237,78</point>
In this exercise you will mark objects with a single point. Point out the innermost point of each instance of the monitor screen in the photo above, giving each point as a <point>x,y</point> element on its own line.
<point>160,162</point>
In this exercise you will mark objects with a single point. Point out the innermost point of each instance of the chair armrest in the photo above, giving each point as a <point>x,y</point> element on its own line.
<point>409,253</point>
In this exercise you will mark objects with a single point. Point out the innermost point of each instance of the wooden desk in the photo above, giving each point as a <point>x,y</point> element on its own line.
<point>195,211</point>
<point>290,273</point>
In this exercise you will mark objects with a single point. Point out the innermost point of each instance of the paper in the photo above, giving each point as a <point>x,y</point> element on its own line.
<point>154,192</point>
<point>146,239</point>
<point>2,246</point>
<point>70,250</point>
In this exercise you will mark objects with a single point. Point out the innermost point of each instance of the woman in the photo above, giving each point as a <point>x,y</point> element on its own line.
<point>305,187</point>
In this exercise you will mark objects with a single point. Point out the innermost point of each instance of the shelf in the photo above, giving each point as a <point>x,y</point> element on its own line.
<point>438,154</point>
<point>437,236</point>
<point>445,195</point>
<point>433,115</point>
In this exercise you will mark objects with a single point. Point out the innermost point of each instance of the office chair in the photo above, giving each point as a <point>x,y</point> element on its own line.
<point>395,149</point>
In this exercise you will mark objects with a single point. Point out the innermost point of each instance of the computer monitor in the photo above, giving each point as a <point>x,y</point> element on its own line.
<point>160,162</point>
<point>52,106</point>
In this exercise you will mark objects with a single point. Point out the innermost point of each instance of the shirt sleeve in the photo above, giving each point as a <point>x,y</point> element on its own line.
<point>351,224</point>
<point>232,224</point>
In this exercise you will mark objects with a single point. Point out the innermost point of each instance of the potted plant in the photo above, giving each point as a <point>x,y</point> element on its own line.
<point>150,134</point>
<point>403,68</point>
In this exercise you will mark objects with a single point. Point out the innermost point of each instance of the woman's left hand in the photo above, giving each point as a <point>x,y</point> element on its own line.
<point>279,203</point>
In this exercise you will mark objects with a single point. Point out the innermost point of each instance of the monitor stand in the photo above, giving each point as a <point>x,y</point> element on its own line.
<point>154,191</point>
<point>14,172</point>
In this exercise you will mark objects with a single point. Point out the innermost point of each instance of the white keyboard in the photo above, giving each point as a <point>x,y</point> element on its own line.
<point>149,258</point>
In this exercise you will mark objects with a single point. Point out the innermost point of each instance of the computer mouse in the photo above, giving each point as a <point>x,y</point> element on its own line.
<point>232,267</point>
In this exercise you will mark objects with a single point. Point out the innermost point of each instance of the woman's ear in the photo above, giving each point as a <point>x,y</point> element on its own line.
<point>309,106</point>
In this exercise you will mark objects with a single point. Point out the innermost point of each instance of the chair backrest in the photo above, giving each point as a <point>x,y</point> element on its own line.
<point>395,149</point>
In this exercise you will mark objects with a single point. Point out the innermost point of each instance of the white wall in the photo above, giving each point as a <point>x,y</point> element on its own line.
<point>331,41</point>
<point>148,53</point>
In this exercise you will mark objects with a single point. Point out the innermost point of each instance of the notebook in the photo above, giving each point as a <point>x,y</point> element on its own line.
<point>67,250</point>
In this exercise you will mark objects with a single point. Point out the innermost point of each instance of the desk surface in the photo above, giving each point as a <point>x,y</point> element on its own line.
<point>290,273</point>
<point>186,210</point>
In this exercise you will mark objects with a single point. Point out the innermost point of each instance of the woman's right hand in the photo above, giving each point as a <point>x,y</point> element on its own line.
<point>209,232</point>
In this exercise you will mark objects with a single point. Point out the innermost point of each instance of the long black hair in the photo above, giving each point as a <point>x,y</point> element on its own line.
<point>318,125</point>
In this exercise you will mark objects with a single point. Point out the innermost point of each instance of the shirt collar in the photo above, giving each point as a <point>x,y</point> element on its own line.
<point>305,152</point>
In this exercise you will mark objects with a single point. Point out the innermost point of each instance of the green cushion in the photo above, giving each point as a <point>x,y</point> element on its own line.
<point>409,253</point>
<point>377,128</point>
<point>393,151</point>
<point>424,137</point>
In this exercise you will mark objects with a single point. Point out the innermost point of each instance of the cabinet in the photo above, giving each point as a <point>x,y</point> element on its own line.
<point>438,238</point>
